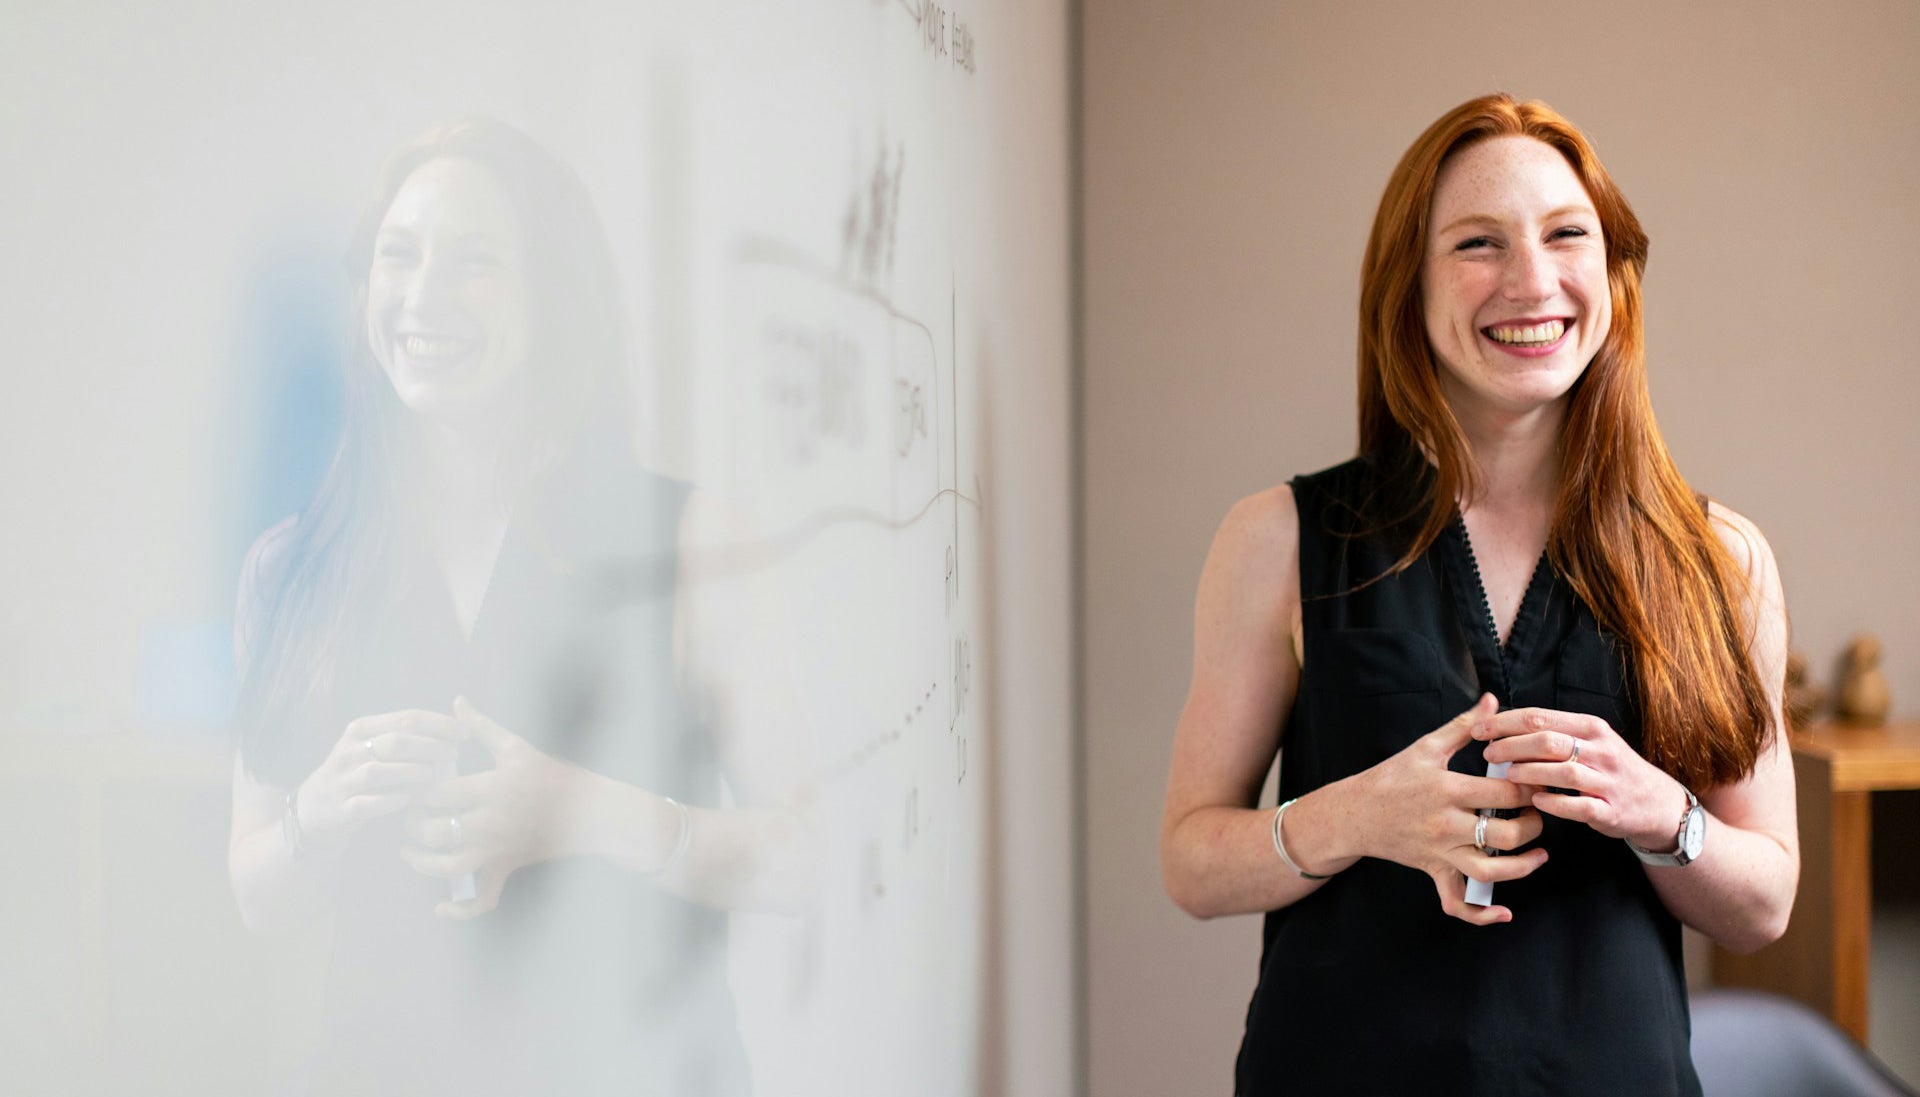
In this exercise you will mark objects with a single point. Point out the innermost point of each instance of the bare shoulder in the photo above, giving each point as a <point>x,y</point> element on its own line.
<point>1749,549</point>
<point>1250,589</point>
<point>1767,605</point>
<point>1260,536</point>
<point>1742,538</point>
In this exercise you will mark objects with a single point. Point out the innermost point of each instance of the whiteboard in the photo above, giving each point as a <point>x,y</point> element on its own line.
<point>842,232</point>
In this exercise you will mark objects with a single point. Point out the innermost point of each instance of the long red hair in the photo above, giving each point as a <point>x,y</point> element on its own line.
<point>1628,534</point>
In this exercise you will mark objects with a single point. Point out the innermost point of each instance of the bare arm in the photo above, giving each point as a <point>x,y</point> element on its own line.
<point>271,888</point>
<point>1740,890</point>
<point>1216,850</point>
<point>533,807</point>
<point>1751,861</point>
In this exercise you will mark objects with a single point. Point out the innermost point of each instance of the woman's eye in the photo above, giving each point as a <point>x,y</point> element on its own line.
<point>1568,233</point>
<point>395,252</point>
<point>1474,242</point>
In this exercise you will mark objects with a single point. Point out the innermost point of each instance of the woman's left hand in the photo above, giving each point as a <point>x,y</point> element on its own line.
<point>496,822</point>
<point>1621,794</point>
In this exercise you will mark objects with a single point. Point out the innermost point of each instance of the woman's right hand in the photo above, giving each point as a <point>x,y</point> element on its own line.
<point>375,768</point>
<point>1421,814</point>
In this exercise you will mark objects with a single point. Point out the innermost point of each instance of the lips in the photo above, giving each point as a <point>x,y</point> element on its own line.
<point>433,349</point>
<point>1538,333</point>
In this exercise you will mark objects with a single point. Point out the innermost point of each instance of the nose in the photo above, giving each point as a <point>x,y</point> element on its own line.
<point>1530,273</point>
<point>429,285</point>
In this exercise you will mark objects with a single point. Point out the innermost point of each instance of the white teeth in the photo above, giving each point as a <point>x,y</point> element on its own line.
<point>1529,334</point>
<point>420,346</point>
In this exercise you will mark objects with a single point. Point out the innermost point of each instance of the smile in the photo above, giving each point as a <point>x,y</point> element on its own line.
<point>1542,334</point>
<point>430,348</point>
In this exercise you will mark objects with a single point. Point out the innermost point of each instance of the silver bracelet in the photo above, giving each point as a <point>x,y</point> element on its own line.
<point>682,837</point>
<point>1281,848</point>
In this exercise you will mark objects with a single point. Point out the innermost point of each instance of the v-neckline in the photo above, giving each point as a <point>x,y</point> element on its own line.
<point>1474,606</point>
<point>466,630</point>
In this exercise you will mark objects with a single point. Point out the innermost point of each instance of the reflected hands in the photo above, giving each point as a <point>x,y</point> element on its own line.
<point>377,767</point>
<point>492,824</point>
<point>1423,815</point>
<point>1621,794</point>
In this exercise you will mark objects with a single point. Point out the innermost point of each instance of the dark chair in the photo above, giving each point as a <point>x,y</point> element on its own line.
<point>1750,1044</point>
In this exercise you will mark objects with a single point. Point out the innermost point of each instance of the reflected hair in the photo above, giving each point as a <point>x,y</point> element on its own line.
<point>333,561</point>
<point>1629,535</point>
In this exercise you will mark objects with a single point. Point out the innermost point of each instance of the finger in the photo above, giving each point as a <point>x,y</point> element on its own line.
<point>1568,775</point>
<point>443,863</point>
<point>488,733</point>
<point>1453,899</point>
<point>1494,870</point>
<point>435,831</point>
<point>413,747</point>
<point>1591,810</point>
<point>1508,835</point>
<point>456,794</point>
<point>1450,737</point>
<point>1534,746</point>
<point>373,805</point>
<point>379,776</point>
<point>1475,793</point>
<point>487,886</point>
<point>1527,721</point>
<point>416,721</point>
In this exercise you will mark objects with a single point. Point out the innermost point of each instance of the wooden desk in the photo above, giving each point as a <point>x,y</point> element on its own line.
<point>1822,959</point>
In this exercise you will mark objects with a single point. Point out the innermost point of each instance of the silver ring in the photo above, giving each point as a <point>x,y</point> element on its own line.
<point>453,824</point>
<point>1575,756</point>
<point>1480,835</point>
<point>371,757</point>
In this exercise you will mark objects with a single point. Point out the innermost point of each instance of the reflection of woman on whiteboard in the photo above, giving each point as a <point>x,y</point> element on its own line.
<point>464,757</point>
<point>1512,573</point>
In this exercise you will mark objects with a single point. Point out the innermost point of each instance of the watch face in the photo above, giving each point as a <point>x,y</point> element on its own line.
<point>1696,834</point>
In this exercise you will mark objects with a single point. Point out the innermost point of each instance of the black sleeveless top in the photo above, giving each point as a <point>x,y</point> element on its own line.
<point>1366,986</point>
<point>586,979</point>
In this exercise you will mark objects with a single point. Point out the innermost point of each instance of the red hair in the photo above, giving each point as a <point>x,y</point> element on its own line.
<point>1628,534</point>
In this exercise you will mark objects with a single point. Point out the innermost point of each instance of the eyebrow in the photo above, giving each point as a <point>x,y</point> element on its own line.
<point>478,236</point>
<point>1489,219</point>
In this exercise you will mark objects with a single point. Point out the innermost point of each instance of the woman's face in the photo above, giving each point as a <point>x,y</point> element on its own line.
<point>1514,284</point>
<point>447,310</point>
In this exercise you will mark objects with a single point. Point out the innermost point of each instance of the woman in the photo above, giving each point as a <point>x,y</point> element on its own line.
<point>1514,572</point>
<point>502,910</point>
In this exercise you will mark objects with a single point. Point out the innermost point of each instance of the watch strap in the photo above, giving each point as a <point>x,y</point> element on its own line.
<point>1679,857</point>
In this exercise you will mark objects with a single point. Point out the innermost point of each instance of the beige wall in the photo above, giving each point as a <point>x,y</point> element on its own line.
<point>1233,156</point>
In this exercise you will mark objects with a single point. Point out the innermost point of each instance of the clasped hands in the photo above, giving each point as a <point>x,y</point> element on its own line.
<point>1570,765</point>
<point>490,823</point>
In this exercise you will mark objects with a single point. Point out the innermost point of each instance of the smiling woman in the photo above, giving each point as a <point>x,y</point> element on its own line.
<point>1514,286</point>
<point>463,755</point>
<point>447,294</point>
<point>1506,645</point>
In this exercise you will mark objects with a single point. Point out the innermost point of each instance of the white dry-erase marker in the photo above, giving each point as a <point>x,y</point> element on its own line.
<point>1480,892</point>
<point>462,888</point>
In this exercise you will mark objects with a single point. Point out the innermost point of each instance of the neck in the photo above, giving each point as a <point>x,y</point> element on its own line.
<point>1518,456</point>
<point>459,463</point>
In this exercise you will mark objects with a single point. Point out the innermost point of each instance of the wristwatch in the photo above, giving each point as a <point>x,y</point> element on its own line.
<point>1688,842</point>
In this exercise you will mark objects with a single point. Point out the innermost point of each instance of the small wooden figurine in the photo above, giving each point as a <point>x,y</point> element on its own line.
<point>1805,697</point>
<point>1864,698</point>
